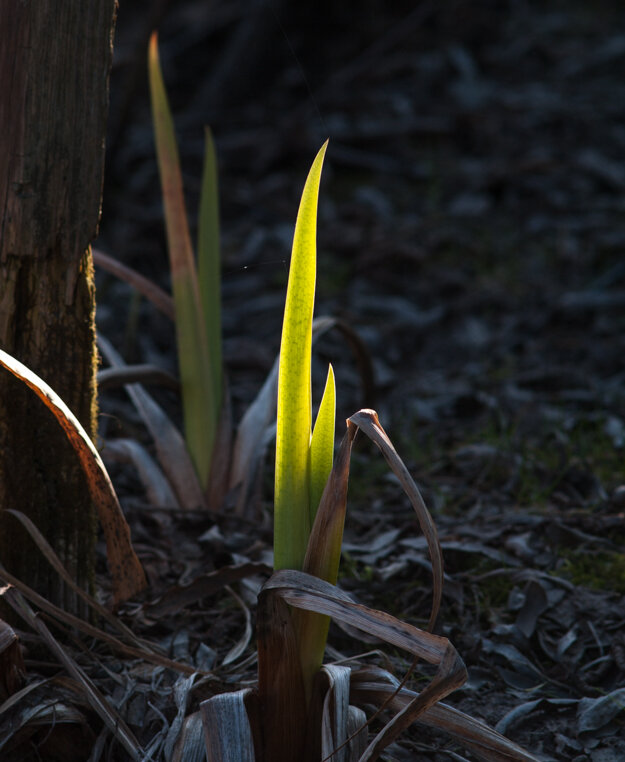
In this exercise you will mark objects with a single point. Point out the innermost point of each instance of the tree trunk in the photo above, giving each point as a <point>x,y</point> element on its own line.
<point>55,57</point>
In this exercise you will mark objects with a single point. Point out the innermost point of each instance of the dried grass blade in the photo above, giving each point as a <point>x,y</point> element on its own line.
<point>243,642</point>
<point>377,687</point>
<point>98,703</point>
<point>49,714</point>
<point>171,449</point>
<point>356,732</point>
<point>323,553</point>
<point>227,730</point>
<point>451,675</point>
<point>159,298</point>
<point>136,374</point>
<point>89,629</point>
<point>19,695</point>
<point>306,592</point>
<point>126,570</point>
<point>55,562</point>
<point>367,421</point>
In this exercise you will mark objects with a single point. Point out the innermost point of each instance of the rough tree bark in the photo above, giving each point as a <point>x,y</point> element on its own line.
<point>55,58</point>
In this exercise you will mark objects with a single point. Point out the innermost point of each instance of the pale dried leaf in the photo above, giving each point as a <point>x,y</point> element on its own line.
<point>19,695</point>
<point>250,440</point>
<point>157,487</point>
<point>190,746</point>
<point>335,714</point>
<point>595,713</point>
<point>181,693</point>
<point>171,449</point>
<point>227,730</point>
<point>356,732</point>
<point>26,721</point>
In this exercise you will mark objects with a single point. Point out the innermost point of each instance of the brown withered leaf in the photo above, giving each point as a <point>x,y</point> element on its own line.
<point>179,596</point>
<point>126,571</point>
<point>367,421</point>
<point>278,683</point>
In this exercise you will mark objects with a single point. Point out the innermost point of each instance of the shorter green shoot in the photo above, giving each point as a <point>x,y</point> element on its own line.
<point>196,288</point>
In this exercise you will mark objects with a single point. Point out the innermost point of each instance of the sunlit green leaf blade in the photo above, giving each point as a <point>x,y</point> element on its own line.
<point>209,265</point>
<point>291,511</point>
<point>193,356</point>
<point>322,444</point>
<point>323,556</point>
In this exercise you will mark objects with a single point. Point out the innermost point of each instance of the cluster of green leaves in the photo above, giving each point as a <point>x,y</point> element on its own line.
<point>303,459</point>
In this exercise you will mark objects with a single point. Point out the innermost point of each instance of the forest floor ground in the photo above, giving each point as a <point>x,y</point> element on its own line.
<point>472,231</point>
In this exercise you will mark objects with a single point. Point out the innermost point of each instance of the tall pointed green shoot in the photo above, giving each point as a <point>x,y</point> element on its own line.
<point>199,391</point>
<point>209,265</point>
<point>294,418</point>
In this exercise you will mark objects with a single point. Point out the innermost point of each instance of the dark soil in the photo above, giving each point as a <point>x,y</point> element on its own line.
<point>471,230</point>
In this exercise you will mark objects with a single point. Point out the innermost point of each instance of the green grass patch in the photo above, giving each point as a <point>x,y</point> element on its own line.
<point>597,570</point>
